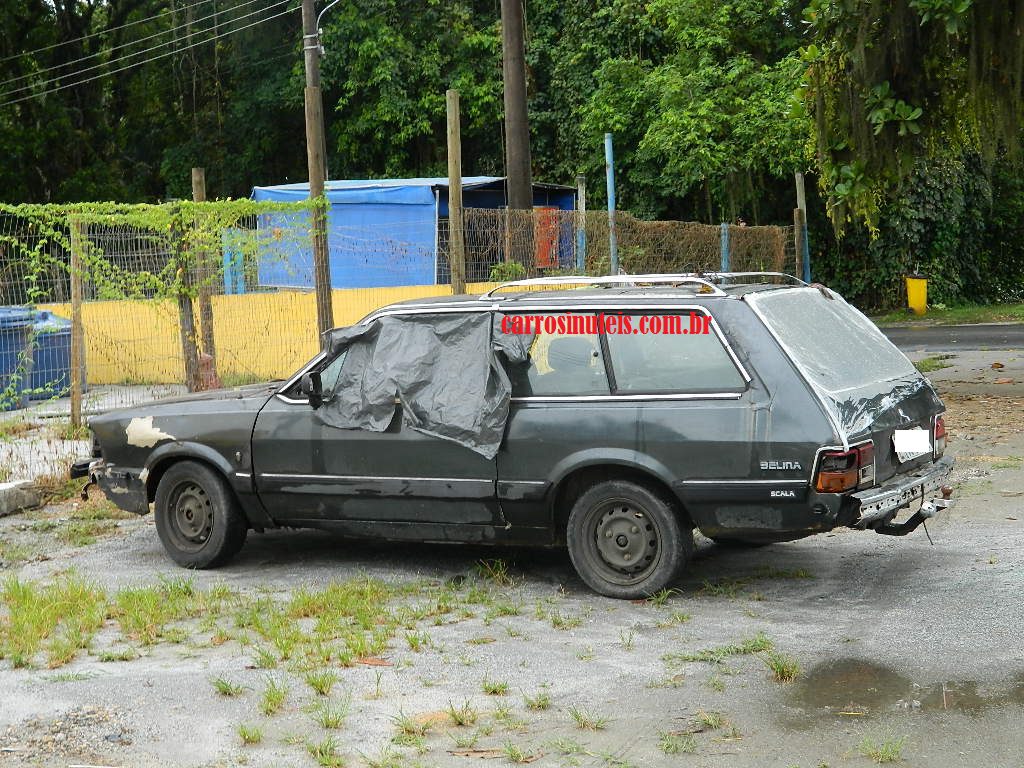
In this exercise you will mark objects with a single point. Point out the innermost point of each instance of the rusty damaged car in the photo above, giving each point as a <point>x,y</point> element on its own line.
<point>775,412</point>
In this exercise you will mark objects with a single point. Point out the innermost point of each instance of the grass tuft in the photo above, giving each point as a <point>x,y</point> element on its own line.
<point>273,697</point>
<point>250,734</point>
<point>674,743</point>
<point>888,750</point>
<point>587,721</point>
<point>226,687</point>
<point>785,668</point>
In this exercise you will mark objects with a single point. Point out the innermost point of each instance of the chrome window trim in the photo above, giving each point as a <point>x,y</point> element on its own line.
<point>626,398</point>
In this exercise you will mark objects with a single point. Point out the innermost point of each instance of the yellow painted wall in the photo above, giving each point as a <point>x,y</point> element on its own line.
<point>258,336</point>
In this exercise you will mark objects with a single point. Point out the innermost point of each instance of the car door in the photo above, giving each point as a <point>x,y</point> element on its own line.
<point>389,483</point>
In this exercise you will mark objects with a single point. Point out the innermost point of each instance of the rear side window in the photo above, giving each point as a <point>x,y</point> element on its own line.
<point>666,363</point>
<point>562,364</point>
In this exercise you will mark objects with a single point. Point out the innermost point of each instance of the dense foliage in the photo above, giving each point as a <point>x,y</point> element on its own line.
<point>906,113</point>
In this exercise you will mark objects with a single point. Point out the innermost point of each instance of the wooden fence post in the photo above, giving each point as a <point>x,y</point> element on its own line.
<point>186,316</point>
<point>77,372</point>
<point>206,270</point>
<point>456,234</point>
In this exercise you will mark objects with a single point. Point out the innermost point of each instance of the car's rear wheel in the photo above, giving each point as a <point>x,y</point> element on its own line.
<point>627,540</point>
<point>197,516</point>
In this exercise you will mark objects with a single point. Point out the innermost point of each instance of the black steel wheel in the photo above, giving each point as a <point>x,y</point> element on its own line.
<point>197,516</point>
<point>626,540</point>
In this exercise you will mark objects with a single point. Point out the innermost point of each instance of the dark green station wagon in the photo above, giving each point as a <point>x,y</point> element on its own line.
<point>610,415</point>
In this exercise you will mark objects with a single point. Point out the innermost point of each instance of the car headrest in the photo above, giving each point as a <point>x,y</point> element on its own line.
<point>569,352</point>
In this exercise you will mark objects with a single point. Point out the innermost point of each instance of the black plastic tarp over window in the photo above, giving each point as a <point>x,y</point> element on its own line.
<point>444,369</point>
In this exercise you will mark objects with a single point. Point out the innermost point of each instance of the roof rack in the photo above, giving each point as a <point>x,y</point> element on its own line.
<point>723,276</point>
<point>690,279</point>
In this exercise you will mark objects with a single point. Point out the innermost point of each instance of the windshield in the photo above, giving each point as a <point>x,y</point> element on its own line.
<point>835,346</point>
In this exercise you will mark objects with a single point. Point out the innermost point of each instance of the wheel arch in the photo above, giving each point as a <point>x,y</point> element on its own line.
<point>575,477</point>
<point>164,457</point>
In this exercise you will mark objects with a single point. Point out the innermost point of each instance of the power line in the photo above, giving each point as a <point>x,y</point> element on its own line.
<point>103,31</point>
<point>146,61</point>
<point>133,54</point>
<point>167,31</point>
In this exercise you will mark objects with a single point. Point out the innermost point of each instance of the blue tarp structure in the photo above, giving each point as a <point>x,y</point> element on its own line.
<point>381,232</point>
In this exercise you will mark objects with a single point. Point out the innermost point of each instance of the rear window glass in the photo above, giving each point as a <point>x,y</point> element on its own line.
<point>835,346</point>
<point>668,363</point>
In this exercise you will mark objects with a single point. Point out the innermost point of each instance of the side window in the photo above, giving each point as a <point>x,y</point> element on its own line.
<point>672,362</point>
<point>329,373</point>
<point>565,358</point>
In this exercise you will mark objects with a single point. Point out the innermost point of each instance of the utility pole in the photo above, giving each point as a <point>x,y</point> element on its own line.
<point>803,251</point>
<point>315,143</point>
<point>517,126</point>
<point>456,240</point>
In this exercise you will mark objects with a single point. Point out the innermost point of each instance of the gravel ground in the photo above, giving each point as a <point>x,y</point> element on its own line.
<point>899,642</point>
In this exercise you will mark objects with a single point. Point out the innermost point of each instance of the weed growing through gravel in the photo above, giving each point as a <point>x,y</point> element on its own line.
<point>321,681</point>
<point>330,716</point>
<point>326,753</point>
<point>710,721</point>
<point>125,654</point>
<point>388,758</point>
<point>226,687</point>
<point>674,743</point>
<point>516,754</point>
<point>756,644</point>
<point>587,721</point>
<point>417,641</point>
<point>659,598</point>
<point>539,701</point>
<point>496,571</point>
<point>462,716</point>
<point>785,668</point>
<point>495,687</point>
<point>250,734</point>
<point>889,750</point>
<point>273,697</point>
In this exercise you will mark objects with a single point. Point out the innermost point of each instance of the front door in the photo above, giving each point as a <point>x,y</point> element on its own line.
<point>383,483</point>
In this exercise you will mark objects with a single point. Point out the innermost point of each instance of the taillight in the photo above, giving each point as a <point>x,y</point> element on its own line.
<point>841,471</point>
<point>940,437</point>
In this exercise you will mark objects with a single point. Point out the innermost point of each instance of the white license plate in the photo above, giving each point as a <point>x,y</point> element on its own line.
<point>911,443</point>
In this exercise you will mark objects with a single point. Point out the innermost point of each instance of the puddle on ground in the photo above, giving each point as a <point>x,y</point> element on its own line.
<point>858,688</point>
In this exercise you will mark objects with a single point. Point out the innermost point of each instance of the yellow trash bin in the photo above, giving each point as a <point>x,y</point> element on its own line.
<point>917,293</point>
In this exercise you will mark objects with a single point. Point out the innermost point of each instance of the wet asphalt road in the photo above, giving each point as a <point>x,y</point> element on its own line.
<point>953,338</point>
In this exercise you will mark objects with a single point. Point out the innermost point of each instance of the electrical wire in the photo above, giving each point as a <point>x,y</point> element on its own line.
<point>146,61</point>
<point>103,31</point>
<point>133,54</point>
<point>167,31</point>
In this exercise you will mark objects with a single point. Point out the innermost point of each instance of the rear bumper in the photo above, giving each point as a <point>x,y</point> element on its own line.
<point>877,506</point>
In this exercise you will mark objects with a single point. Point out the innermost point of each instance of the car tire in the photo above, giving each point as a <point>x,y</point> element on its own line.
<point>627,540</point>
<point>198,518</point>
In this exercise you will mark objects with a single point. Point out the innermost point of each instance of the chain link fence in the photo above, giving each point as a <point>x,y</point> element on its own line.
<point>190,296</point>
<point>552,242</point>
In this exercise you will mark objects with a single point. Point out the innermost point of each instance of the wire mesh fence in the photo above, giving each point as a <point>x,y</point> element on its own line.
<point>552,242</point>
<point>190,296</point>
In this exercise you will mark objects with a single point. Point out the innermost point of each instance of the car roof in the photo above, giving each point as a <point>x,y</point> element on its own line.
<point>619,294</point>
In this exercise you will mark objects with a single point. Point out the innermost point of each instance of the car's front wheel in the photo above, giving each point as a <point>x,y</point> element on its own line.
<point>627,540</point>
<point>197,516</point>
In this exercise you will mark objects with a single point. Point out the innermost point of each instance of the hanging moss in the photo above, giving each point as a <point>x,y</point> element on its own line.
<point>891,82</point>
